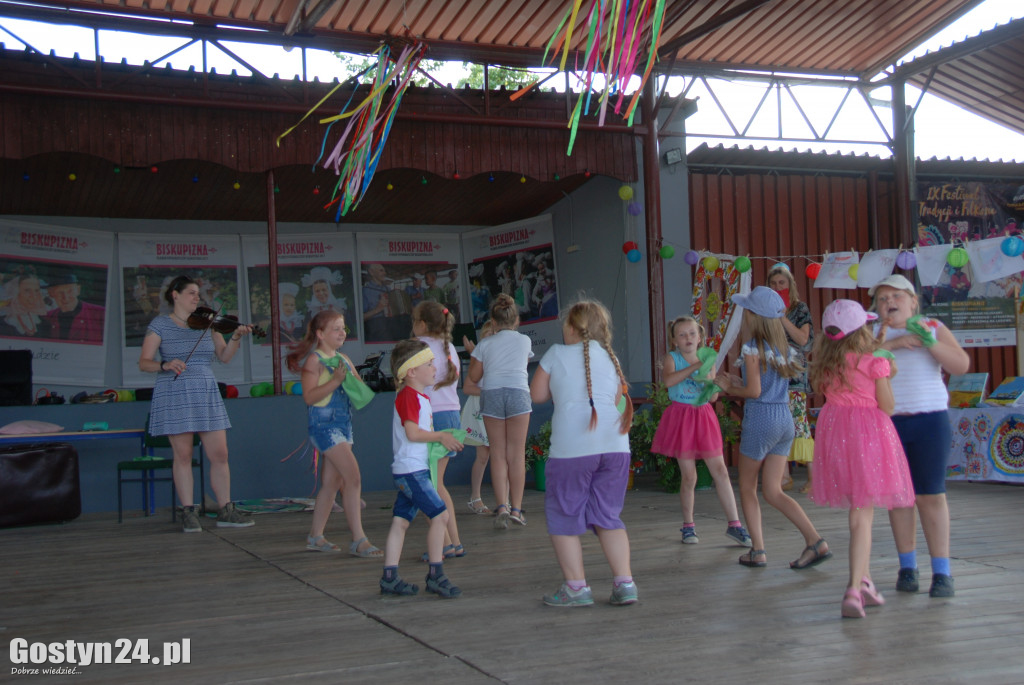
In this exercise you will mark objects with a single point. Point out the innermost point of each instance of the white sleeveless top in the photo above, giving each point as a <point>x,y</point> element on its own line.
<point>918,386</point>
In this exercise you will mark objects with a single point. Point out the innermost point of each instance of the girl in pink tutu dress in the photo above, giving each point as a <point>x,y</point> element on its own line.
<point>859,461</point>
<point>689,430</point>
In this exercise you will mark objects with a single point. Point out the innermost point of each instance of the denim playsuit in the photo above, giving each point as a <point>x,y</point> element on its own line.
<point>330,420</point>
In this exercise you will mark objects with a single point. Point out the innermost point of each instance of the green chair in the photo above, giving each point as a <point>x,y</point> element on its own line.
<point>146,465</point>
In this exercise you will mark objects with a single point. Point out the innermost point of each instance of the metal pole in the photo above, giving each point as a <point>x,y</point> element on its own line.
<point>652,220</point>
<point>275,315</point>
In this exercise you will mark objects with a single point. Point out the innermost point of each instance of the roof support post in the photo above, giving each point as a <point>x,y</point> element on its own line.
<point>275,315</point>
<point>652,220</point>
<point>903,164</point>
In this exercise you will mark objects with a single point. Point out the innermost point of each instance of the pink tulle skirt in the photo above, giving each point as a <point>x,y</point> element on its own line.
<point>688,432</point>
<point>858,460</point>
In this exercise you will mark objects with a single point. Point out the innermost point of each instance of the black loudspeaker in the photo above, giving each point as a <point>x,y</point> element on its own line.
<point>15,378</point>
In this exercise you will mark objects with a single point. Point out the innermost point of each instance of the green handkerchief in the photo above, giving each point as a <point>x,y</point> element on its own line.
<point>707,356</point>
<point>884,354</point>
<point>924,328</point>
<point>437,451</point>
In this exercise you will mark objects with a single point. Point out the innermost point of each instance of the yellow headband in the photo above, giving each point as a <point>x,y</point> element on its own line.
<point>421,357</point>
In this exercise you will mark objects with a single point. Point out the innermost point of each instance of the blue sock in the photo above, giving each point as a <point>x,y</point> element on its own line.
<point>390,573</point>
<point>908,559</point>
<point>941,565</point>
<point>436,570</point>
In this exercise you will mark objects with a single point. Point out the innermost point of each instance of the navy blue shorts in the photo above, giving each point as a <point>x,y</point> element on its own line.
<point>926,441</point>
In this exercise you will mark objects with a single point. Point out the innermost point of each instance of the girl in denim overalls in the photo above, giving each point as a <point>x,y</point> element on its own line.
<point>330,429</point>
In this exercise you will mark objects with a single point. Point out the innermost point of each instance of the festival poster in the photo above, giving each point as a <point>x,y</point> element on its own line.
<point>149,264</point>
<point>397,272</point>
<point>314,273</point>
<point>54,299</point>
<point>516,259</point>
<point>980,312</point>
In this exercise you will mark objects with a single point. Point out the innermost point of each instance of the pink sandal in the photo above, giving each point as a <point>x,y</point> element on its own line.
<point>869,594</point>
<point>853,605</point>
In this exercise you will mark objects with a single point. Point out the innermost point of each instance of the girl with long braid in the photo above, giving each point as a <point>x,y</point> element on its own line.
<point>432,323</point>
<point>588,467</point>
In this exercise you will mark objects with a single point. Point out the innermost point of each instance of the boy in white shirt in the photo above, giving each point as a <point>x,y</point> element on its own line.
<point>412,364</point>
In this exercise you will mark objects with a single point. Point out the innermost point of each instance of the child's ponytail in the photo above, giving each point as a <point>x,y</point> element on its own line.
<point>439,322</point>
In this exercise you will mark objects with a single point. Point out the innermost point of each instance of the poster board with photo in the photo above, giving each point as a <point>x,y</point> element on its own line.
<point>398,271</point>
<point>976,301</point>
<point>315,272</point>
<point>54,299</point>
<point>516,259</point>
<point>149,264</point>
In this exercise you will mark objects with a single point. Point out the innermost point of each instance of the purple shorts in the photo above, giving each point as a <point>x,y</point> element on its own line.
<point>585,493</point>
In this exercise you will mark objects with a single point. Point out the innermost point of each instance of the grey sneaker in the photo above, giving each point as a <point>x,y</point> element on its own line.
<point>567,597</point>
<point>229,517</point>
<point>624,594</point>
<point>190,519</point>
<point>689,535</point>
<point>942,586</point>
<point>738,534</point>
<point>907,580</point>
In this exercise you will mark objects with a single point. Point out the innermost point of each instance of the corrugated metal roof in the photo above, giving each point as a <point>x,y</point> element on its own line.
<point>737,158</point>
<point>834,36</point>
<point>987,76</point>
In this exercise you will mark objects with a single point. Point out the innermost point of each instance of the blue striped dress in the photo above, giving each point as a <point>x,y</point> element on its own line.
<point>192,403</point>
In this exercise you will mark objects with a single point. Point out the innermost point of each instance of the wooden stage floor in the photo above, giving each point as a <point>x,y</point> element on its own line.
<point>258,608</point>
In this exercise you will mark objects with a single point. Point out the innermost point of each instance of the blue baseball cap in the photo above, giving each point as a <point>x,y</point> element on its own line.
<point>763,302</point>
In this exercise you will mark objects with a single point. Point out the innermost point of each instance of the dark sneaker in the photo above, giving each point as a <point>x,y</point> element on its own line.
<point>738,534</point>
<point>229,517</point>
<point>623,594</point>
<point>567,597</point>
<point>942,586</point>
<point>397,587</point>
<point>689,536</point>
<point>443,587</point>
<point>907,580</point>
<point>190,519</point>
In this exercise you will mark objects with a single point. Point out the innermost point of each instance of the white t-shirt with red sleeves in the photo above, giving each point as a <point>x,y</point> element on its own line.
<point>410,457</point>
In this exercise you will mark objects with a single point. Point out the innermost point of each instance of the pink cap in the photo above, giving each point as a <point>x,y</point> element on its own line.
<point>847,316</point>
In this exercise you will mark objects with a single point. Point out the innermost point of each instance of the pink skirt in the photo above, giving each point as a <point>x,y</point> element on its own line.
<point>859,460</point>
<point>688,432</point>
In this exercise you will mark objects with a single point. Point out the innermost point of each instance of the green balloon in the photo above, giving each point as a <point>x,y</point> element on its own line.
<point>742,264</point>
<point>667,252</point>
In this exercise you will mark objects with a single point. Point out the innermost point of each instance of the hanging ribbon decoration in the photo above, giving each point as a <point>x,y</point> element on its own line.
<point>355,156</point>
<point>617,31</point>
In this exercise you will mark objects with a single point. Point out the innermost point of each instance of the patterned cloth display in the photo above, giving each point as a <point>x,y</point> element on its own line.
<point>988,444</point>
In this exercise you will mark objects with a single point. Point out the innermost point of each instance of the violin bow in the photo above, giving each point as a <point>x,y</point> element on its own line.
<point>209,326</point>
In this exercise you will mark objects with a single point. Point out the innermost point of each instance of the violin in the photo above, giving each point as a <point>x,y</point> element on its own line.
<point>204,318</point>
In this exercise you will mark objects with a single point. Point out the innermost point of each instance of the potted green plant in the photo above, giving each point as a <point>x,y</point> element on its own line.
<point>538,448</point>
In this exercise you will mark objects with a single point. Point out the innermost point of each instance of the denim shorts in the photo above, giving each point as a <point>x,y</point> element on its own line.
<point>926,439</point>
<point>503,403</point>
<point>447,419</point>
<point>329,426</point>
<point>415,494</point>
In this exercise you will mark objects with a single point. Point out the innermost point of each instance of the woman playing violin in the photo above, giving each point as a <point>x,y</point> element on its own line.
<point>186,400</point>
